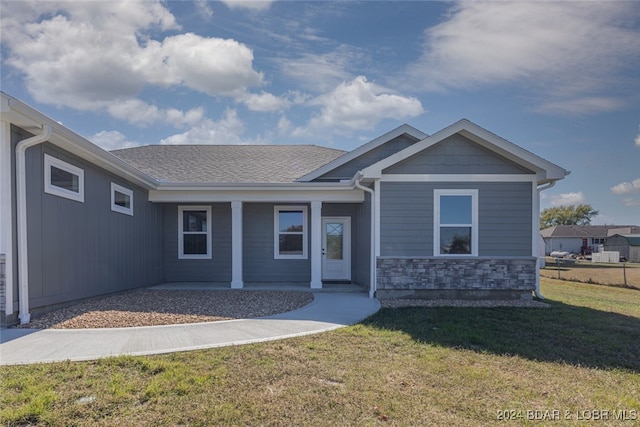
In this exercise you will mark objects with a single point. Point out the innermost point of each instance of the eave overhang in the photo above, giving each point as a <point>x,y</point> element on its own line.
<point>22,115</point>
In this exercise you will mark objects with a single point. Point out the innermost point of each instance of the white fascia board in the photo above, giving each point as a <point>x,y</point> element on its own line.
<point>347,157</point>
<point>255,195</point>
<point>258,186</point>
<point>458,178</point>
<point>545,170</point>
<point>30,119</point>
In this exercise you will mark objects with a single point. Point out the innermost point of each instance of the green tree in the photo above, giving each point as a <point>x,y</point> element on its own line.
<point>567,215</point>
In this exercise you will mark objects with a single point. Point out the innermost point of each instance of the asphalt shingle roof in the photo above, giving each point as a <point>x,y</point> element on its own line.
<point>632,239</point>
<point>228,164</point>
<point>583,231</point>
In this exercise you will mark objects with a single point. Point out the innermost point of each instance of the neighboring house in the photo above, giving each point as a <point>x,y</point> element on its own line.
<point>454,214</point>
<point>580,239</point>
<point>628,245</point>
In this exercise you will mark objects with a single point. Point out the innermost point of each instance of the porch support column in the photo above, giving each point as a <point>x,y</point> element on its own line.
<point>236,245</point>
<point>316,245</point>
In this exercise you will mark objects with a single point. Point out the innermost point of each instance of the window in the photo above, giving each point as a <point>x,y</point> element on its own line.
<point>455,222</point>
<point>194,232</point>
<point>63,179</point>
<point>121,199</point>
<point>290,232</point>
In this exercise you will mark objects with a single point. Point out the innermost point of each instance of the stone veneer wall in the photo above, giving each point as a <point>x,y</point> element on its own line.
<point>477,277</point>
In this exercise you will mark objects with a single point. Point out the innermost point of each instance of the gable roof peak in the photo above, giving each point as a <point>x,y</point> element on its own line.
<point>545,170</point>
<point>403,129</point>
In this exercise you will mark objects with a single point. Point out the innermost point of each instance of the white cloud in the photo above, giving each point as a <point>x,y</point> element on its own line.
<point>358,105</point>
<point>637,140</point>
<point>584,105</point>
<point>284,125</point>
<point>112,140</point>
<point>627,187</point>
<point>567,50</point>
<point>209,65</point>
<point>255,5</point>
<point>322,72</point>
<point>227,130</point>
<point>264,102</point>
<point>567,199</point>
<point>90,55</point>
<point>631,202</point>
<point>140,113</point>
<point>204,9</point>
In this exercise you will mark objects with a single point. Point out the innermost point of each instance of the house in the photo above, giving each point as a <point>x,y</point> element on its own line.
<point>580,239</point>
<point>453,214</point>
<point>628,245</point>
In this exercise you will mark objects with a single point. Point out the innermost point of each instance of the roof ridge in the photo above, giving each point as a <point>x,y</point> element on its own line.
<point>230,145</point>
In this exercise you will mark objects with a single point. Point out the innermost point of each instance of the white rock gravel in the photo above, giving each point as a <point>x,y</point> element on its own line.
<point>147,307</point>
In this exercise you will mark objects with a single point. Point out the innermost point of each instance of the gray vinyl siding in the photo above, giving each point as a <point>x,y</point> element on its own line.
<point>456,155</point>
<point>349,169</point>
<point>216,269</point>
<point>362,251</point>
<point>78,250</point>
<point>504,217</point>
<point>259,264</point>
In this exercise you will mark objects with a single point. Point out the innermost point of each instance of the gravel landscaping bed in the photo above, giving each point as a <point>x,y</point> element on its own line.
<point>147,307</point>
<point>166,307</point>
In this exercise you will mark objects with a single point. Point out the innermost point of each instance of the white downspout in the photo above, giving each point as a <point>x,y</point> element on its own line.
<point>537,221</point>
<point>372,285</point>
<point>21,181</point>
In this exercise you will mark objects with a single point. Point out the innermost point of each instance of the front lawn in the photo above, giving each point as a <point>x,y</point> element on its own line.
<point>577,360</point>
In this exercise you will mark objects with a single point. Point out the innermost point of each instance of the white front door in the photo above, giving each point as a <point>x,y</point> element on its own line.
<point>336,248</point>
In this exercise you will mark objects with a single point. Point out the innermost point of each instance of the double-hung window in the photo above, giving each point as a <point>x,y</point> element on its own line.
<point>290,231</point>
<point>63,179</point>
<point>455,222</point>
<point>194,232</point>
<point>121,199</point>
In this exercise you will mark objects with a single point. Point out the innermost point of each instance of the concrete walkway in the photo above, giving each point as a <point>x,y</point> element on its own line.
<point>328,311</point>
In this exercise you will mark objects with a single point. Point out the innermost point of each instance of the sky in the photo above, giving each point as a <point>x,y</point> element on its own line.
<point>560,79</point>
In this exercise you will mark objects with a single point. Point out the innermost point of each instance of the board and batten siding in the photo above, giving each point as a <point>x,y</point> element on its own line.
<point>456,155</point>
<point>216,269</point>
<point>362,254</point>
<point>79,250</point>
<point>349,169</point>
<point>259,264</point>
<point>504,217</point>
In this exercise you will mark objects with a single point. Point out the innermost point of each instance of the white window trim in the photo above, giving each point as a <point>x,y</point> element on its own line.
<point>117,208</point>
<point>474,221</point>
<point>276,231</point>
<point>181,232</point>
<point>50,188</point>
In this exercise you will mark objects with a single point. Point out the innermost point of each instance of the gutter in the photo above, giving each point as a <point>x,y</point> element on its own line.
<point>21,195</point>
<point>356,183</point>
<point>537,289</point>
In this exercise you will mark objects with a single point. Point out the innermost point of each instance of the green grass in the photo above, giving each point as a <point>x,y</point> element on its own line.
<point>410,366</point>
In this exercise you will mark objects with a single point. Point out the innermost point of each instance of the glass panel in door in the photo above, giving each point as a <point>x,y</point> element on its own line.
<point>335,240</point>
